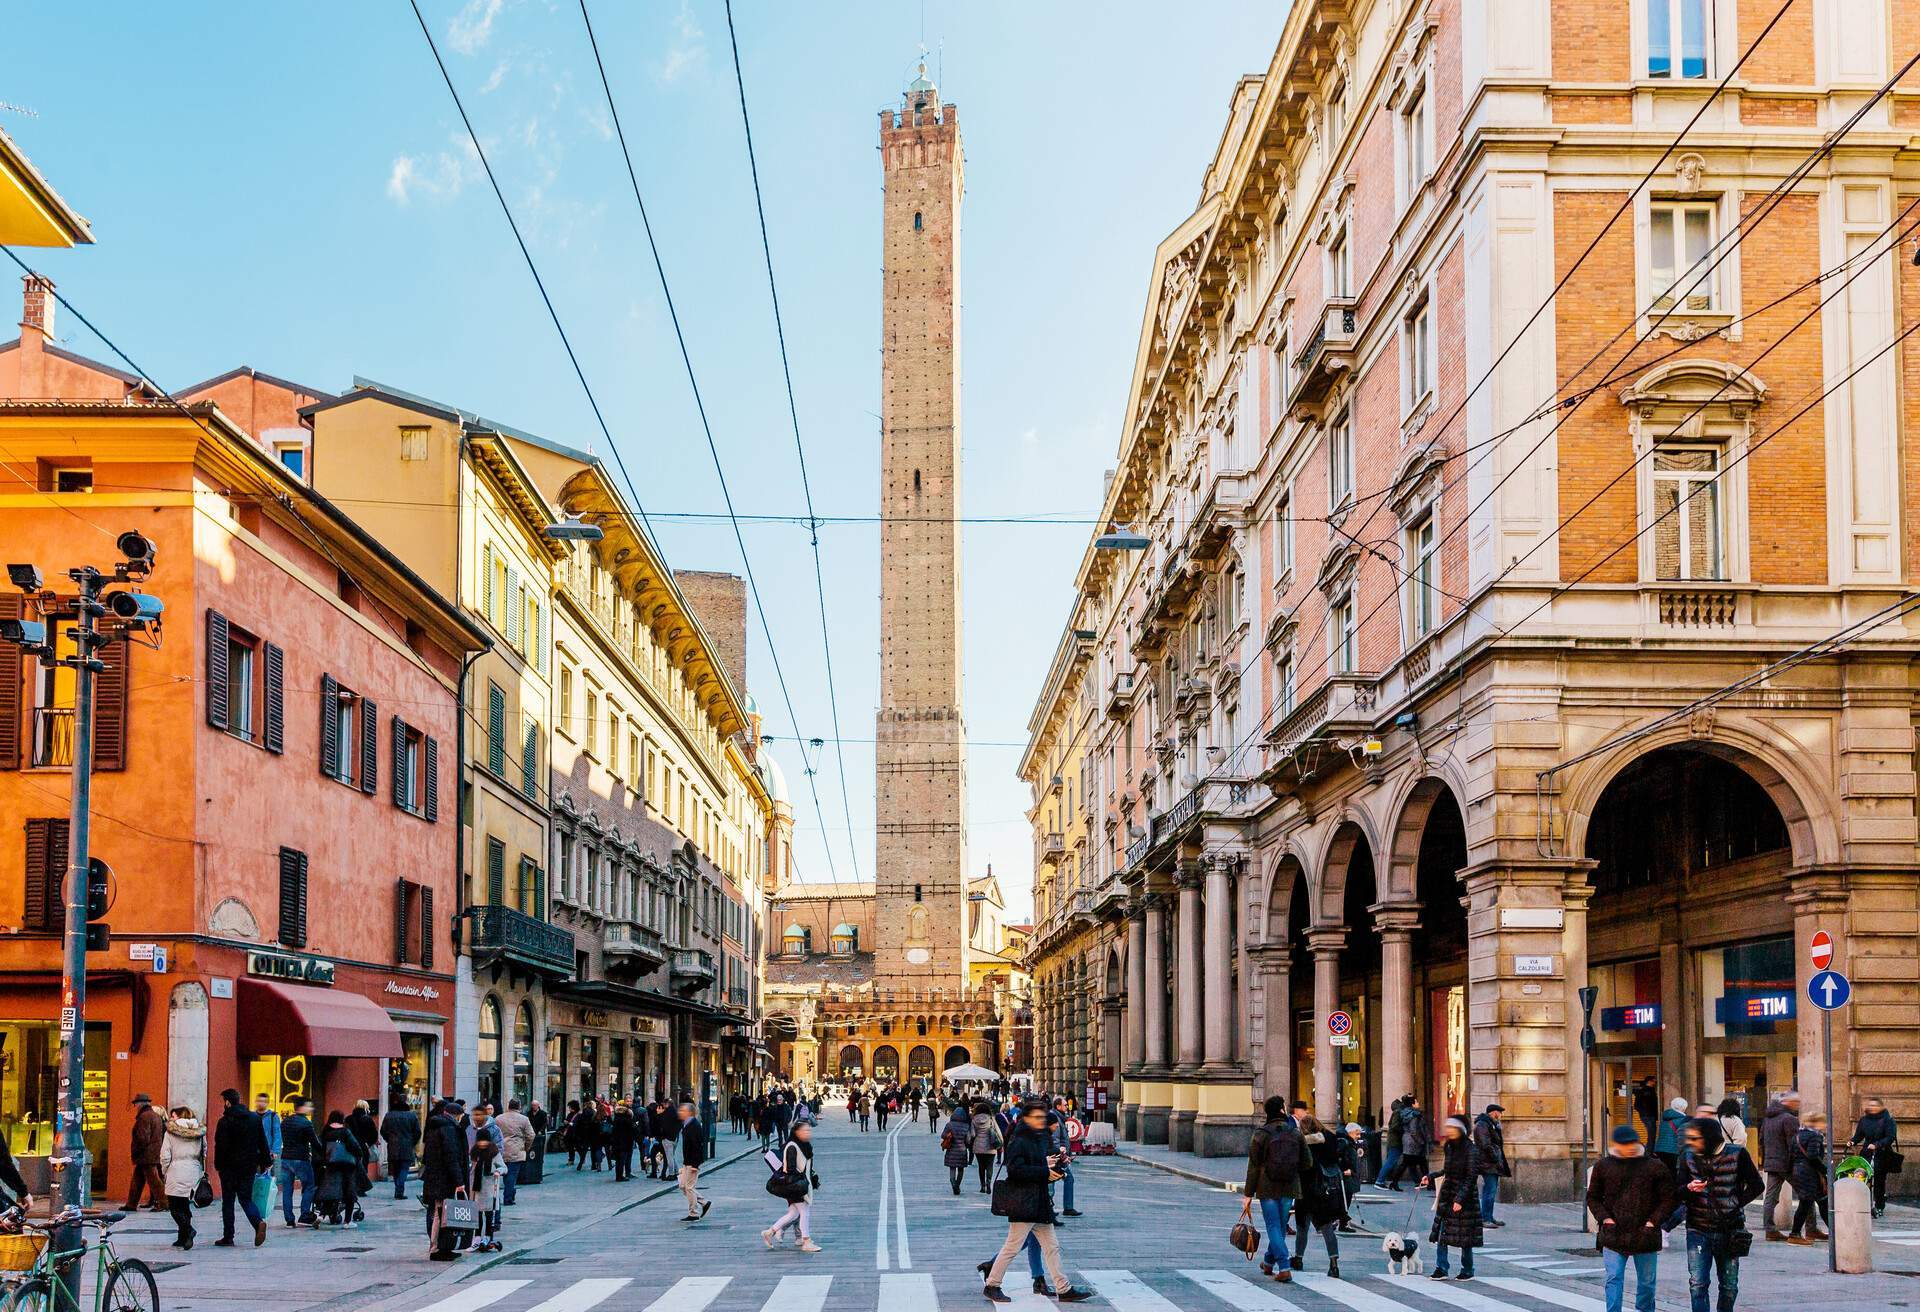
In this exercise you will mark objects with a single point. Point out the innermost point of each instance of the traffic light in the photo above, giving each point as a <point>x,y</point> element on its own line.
<point>99,898</point>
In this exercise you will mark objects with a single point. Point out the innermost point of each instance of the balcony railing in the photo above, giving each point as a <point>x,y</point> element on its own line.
<point>634,946</point>
<point>737,996</point>
<point>1120,695</point>
<point>692,968</point>
<point>1053,846</point>
<point>1327,354</point>
<point>519,938</point>
<point>53,736</point>
<point>1137,850</point>
<point>1209,797</point>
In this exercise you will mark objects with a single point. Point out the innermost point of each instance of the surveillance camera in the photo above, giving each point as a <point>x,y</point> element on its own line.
<point>23,633</point>
<point>136,548</point>
<point>140,607</point>
<point>27,578</point>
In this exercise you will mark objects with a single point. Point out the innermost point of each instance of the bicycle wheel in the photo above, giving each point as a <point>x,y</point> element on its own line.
<point>35,1295</point>
<point>131,1288</point>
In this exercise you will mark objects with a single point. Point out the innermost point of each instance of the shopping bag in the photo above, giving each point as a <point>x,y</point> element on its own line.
<point>459,1214</point>
<point>263,1194</point>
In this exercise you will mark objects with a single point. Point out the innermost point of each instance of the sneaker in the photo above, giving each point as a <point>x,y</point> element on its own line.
<point>995,1294</point>
<point>706,1205</point>
<point>1075,1295</point>
<point>767,1236</point>
<point>1465,1274</point>
<point>808,1246</point>
<point>223,1243</point>
<point>1069,1212</point>
<point>1438,1273</point>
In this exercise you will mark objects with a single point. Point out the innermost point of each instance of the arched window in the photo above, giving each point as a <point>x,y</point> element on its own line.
<point>850,1064</point>
<point>523,1055</point>
<point>487,1049</point>
<point>886,1062</point>
<point>920,1063</point>
<point>956,1056</point>
<point>846,939</point>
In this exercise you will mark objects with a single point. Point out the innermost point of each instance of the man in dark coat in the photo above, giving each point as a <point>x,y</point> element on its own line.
<point>149,1132</point>
<point>299,1162</point>
<point>1390,1137</point>
<point>240,1152</point>
<point>1274,1159</point>
<point>1490,1158</point>
<point>1630,1193</point>
<point>693,1155</point>
<point>443,1174</point>
<point>400,1131</point>
<point>1778,1129</point>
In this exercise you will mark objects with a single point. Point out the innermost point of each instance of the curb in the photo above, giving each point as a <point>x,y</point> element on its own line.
<point>1225,1186</point>
<point>464,1272</point>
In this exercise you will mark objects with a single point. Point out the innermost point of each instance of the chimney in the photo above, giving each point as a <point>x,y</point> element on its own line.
<point>36,308</point>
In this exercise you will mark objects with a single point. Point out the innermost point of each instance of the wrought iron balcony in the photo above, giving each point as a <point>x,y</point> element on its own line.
<point>519,939</point>
<point>1211,797</point>
<point>692,968</point>
<point>1327,354</point>
<point>1137,850</point>
<point>53,736</point>
<point>633,946</point>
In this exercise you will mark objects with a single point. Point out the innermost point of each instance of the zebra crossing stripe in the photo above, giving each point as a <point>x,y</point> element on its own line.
<point>690,1294</point>
<point>584,1294</point>
<point>1446,1291</point>
<point>1243,1294</point>
<point>908,1291</point>
<point>1508,1255</point>
<point>1548,1294</point>
<point>484,1293</point>
<point>799,1294</point>
<point>1127,1292</point>
<point>1345,1291</point>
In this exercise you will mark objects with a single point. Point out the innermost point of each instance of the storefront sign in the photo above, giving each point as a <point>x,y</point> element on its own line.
<point>1532,918</point>
<point>1644,1016</point>
<point>593,1018</point>
<point>1747,1006</point>
<point>425,992</point>
<point>648,1027</point>
<point>295,970</point>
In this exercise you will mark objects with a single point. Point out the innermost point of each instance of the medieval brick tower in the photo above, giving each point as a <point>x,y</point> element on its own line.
<point>920,907</point>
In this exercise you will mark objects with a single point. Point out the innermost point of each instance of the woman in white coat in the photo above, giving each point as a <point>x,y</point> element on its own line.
<point>183,1164</point>
<point>796,1159</point>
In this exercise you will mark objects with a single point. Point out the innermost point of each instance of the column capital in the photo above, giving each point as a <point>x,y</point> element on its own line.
<point>1190,874</point>
<point>1327,940</point>
<point>1271,958</point>
<point>1817,890</point>
<point>1396,918</point>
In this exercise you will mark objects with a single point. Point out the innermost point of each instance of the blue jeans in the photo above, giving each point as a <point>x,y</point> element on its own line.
<point>1644,1265</point>
<point>399,1171</point>
<point>1274,1212</point>
<point>1388,1167</point>
<point>1440,1260</point>
<point>1066,1182</point>
<point>302,1172</point>
<point>513,1181</point>
<point>1703,1255</point>
<point>236,1189</point>
<point>1489,1196</point>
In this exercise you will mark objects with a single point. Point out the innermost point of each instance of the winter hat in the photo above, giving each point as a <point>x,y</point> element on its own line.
<point>1625,1134</point>
<point>1678,1105</point>
<point>1353,1127</point>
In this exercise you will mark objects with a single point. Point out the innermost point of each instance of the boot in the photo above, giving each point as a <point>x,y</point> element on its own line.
<point>1816,1234</point>
<point>1040,1286</point>
<point>1333,1268</point>
<point>1774,1236</point>
<point>995,1294</point>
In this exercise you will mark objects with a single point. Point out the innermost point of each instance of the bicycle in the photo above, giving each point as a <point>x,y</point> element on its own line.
<point>119,1285</point>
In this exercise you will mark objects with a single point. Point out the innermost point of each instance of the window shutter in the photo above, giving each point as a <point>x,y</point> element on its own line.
<point>539,893</point>
<point>402,896</point>
<point>486,581</point>
<point>329,726</point>
<point>44,906</point>
<point>275,737</point>
<point>496,730</point>
<point>217,672</point>
<point>12,673</point>
<point>402,787</point>
<point>496,871</point>
<point>427,928</point>
<point>514,606</point>
<point>540,616</point>
<point>369,747</point>
<point>293,898</point>
<point>530,761</point>
<point>431,802</point>
<point>110,706</point>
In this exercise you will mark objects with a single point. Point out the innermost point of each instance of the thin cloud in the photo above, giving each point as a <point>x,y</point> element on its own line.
<point>495,78</point>
<point>439,176</point>
<point>472,27</point>
<point>688,53</point>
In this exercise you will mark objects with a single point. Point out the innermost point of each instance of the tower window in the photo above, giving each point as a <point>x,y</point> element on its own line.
<point>916,480</point>
<point>916,220</point>
<point>916,892</point>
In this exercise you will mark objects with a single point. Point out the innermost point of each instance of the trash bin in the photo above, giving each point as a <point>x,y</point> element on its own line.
<point>534,1168</point>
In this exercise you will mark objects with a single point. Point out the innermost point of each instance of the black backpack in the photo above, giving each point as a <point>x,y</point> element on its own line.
<point>1283,1153</point>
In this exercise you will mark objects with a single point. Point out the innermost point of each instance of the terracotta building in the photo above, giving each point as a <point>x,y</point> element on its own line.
<point>1491,425</point>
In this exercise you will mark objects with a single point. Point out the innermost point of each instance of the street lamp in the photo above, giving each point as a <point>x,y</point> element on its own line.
<point>1121,537</point>
<point>570,529</point>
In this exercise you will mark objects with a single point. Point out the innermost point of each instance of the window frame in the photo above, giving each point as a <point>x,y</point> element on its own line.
<point>1688,501</point>
<point>1343,630</point>
<point>1659,299</point>
<point>1422,574</point>
<point>1676,13</point>
<point>1340,466</point>
<point>1417,362</point>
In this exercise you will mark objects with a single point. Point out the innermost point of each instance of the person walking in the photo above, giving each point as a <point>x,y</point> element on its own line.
<point>853,1105</point>
<point>666,1128</point>
<point>269,1126</point>
<point>1733,1121</point>
<point>1274,1161</point>
<point>956,1146</point>
<point>149,1128</point>
<point>239,1154</point>
<point>443,1175</point>
<point>866,1109</point>
<point>1876,1137</point>
<point>985,1141</point>
<point>1416,1138</point>
<point>400,1132</point>
<point>1031,1165</point>
<point>1646,1104</point>
<point>1392,1136</point>
<point>913,1102</point>
<point>1490,1159</point>
<point>1717,1180</point>
<point>570,1132</point>
<point>1777,1130</point>
<point>486,1168</point>
<point>1630,1195</point>
<point>518,1142</point>
<point>620,1142</point>
<point>299,1156</point>
<point>763,1121</point>
<point>342,1157</point>
<point>183,1165</point>
<point>883,1107</point>
<point>1809,1175</point>
<point>1353,1161</point>
<point>366,1130</point>
<point>693,1155</point>
<point>1456,1201</point>
<point>782,1113</point>
<point>537,1120</point>
<point>1323,1203</point>
<point>1666,1140</point>
<point>796,1160</point>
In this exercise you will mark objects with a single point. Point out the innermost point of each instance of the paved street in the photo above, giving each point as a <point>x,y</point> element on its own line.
<point>897,1241</point>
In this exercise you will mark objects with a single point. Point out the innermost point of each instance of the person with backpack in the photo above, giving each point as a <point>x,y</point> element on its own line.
<point>1631,1193</point>
<point>1666,1140</point>
<point>956,1146</point>
<point>1456,1201</point>
<point>1389,1177</point>
<point>1808,1171</point>
<point>1718,1180</point>
<point>1416,1138</point>
<point>1274,1161</point>
<point>985,1141</point>
<point>797,1171</point>
<point>1323,1203</point>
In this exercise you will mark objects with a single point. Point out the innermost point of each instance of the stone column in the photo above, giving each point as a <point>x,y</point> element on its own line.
<point>1156,1096</point>
<point>1135,1024</point>
<point>1274,1069</point>
<point>1218,969</point>
<point>1399,1012</point>
<point>1187,977</point>
<point>1325,944</point>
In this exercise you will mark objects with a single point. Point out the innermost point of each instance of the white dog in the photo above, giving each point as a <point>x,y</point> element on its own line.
<point>1403,1254</point>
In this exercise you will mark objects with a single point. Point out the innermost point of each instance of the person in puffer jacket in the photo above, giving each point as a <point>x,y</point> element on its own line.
<point>1718,1179</point>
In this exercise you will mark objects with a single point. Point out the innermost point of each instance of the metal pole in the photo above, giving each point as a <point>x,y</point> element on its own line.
<point>76,1171</point>
<point>1826,1071</point>
<point>1586,1130</point>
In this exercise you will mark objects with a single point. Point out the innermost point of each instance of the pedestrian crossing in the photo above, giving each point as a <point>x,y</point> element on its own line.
<point>1215,1289</point>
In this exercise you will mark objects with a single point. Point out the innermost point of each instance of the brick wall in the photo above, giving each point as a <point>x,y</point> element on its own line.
<point>719,602</point>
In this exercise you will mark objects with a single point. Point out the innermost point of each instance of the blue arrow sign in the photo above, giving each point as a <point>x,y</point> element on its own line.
<point>1829,990</point>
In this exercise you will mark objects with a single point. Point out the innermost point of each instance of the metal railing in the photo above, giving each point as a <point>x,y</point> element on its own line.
<point>1137,850</point>
<point>523,938</point>
<point>53,735</point>
<point>628,938</point>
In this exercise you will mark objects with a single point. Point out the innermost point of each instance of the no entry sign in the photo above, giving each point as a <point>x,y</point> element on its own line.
<point>1338,1022</point>
<point>1822,949</point>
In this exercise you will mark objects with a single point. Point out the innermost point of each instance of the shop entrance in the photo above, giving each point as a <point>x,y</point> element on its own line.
<point>1629,1095</point>
<point>1447,1053</point>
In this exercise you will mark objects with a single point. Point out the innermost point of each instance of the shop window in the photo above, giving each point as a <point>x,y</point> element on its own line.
<point>30,1090</point>
<point>589,1065</point>
<point>556,1074</point>
<point>522,1054</point>
<point>410,1081</point>
<point>293,898</point>
<point>486,1050</point>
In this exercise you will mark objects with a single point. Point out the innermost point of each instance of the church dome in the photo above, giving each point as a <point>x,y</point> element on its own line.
<point>775,778</point>
<point>794,931</point>
<point>843,930</point>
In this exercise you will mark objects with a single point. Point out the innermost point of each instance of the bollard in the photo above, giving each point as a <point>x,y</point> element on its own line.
<point>1852,1227</point>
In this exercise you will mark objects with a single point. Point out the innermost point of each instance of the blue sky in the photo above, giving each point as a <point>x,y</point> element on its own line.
<point>288,186</point>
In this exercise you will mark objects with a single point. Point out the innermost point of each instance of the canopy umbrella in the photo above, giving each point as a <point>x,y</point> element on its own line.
<point>966,1070</point>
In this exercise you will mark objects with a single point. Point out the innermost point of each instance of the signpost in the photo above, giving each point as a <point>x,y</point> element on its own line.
<point>1828,990</point>
<point>1339,1028</point>
<point>1588,996</point>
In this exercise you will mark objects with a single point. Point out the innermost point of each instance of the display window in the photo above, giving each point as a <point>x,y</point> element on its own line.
<point>30,1093</point>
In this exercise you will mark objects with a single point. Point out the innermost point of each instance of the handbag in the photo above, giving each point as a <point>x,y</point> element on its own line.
<point>338,1154</point>
<point>786,1186</point>
<point>1888,1161</point>
<point>203,1192</point>
<point>1245,1238</point>
<point>459,1214</point>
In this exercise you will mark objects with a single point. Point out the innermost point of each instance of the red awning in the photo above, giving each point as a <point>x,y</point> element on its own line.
<point>286,1019</point>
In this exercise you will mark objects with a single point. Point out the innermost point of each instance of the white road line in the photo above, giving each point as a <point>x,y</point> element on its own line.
<point>1025,1300</point>
<point>900,1203</point>
<point>690,1294</point>
<point>1128,1293</point>
<point>910,1292</point>
<point>485,1293</point>
<point>799,1294</point>
<point>880,1260</point>
<point>1448,1291</point>
<point>1504,1256</point>
<point>1899,1243</point>
<point>1345,1291</point>
<point>584,1294</point>
<point>1561,1268</point>
<point>1548,1294</point>
<point>1240,1293</point>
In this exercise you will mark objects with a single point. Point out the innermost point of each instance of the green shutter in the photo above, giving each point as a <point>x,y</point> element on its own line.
<point>530,761</point>
<point>496,871</point>
<point>496,731</point>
